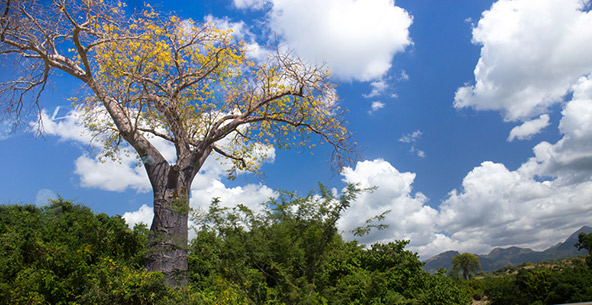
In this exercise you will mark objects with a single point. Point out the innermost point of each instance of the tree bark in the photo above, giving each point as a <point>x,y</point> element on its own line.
<point>167,241</point>
<point>171,185</point>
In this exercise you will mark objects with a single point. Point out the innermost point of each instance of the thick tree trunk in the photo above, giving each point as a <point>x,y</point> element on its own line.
<point>466,274</point>
<point>167,242</point>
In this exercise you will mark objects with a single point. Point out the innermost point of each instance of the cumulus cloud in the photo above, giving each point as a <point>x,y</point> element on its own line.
<point>409,217</point>
<point>143,215</point>
<point>569,160</point>
<point>103,174</point>
<point>532,52</point>
<point>112,175</point>
<point>250,195</point>
<point>125,171</point>
<point>495,207</point>
<point>535,206</point>
<point>357,39</point>
<point>499,207</point>
<point>529,128</point>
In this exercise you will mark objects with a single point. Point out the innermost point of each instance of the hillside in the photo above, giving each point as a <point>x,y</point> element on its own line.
<point>499,257</point>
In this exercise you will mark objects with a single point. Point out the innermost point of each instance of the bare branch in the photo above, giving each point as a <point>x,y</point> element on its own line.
<point>223,153</point>
<point>156,133</point>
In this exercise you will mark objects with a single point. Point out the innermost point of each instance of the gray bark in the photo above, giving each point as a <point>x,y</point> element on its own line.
<point>167,242</point>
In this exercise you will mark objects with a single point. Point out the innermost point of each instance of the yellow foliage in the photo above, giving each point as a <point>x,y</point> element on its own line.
<point>185,81</point>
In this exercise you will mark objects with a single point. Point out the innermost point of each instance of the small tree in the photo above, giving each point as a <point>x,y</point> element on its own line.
<point>585,242</point>
<point>190,84</point>
<point>467,262</point>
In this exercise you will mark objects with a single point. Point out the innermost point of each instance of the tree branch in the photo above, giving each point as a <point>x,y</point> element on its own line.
<point>223,153</point>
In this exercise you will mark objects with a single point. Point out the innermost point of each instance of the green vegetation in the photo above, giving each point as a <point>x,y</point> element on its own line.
<point>467,263</point>
<point>65,254</point>
<point>553,282</point>
<point>289,253</point>
<point>585,242</point>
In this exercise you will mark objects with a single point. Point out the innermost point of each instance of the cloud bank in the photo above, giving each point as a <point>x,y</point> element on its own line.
<point>357,39</point>
<point>532,52</point>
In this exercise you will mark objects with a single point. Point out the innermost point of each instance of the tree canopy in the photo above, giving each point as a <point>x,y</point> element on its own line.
<point>585,242</point>
<point>467,262</point>
<point>187,82</point>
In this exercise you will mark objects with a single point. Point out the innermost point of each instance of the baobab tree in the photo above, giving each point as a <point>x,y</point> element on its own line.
<point>467,262</point>
<point>191,84</point>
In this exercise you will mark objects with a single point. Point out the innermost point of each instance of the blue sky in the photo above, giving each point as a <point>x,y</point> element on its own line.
<point>473,118</point>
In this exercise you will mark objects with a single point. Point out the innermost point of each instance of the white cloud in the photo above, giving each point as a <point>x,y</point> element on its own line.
<point>411,137</point>
<point>250,195</point>
<point>112,175</point>
<point>250,4</point>
<point>5,129</point>
<point>376,105</point>
<point>495,207</point>
<point>420,153</point>
<point>126,172</point>
<point>409,217</point>
<point>143,215</point>
<point>403,76</point>
<point>529,128</point>
<point>500,207</point>
<point>378,87</point>
<point>504,208</point>
<point>356,38</point>
<point>384,86</point>
<point>537,205</point>
<point>532,52</point>
<point>67,128</point>
<point>570,159</point>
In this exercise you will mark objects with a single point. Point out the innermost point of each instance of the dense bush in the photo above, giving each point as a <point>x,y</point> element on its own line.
<point>292,253</point>
<point>65,254</point>
<point>566,284</point>
<point>288,253</point>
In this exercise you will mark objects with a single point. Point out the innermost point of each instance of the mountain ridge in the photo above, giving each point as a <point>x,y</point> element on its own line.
<point>501,257</point>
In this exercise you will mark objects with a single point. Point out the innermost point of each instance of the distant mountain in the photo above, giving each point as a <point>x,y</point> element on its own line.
<point>442,260</point>
<point>499,257</point>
